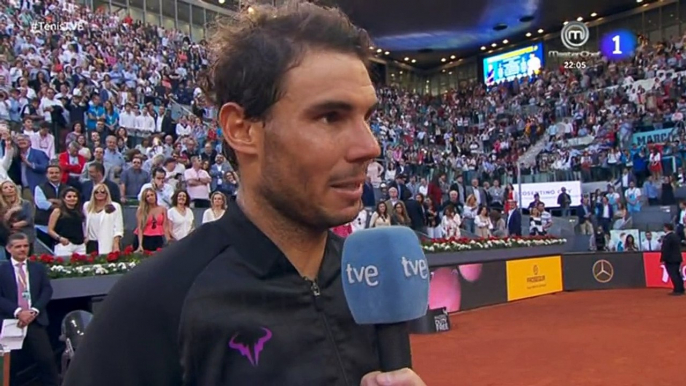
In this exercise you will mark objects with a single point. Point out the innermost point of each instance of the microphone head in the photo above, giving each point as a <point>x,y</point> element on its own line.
<point>385,275</point>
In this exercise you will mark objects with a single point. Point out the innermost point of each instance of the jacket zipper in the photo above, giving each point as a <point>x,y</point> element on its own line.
<point>316,292</point>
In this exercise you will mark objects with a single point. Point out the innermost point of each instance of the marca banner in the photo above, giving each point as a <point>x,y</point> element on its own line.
<point>603,271</point>
<point>656,274</point>
<point>655,136</point>
<point>549,191</point>
<point>533,277</point>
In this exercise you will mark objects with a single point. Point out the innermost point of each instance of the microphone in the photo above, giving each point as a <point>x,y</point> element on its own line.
<point>385,279</point>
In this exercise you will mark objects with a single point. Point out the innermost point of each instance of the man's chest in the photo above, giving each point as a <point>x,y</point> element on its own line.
<point>259,336</point>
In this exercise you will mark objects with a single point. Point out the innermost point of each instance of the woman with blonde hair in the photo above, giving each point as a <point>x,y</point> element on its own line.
<point>469,213</point>
<point>65,225</point>
<point>16,214</point>
<point>104,222</point>
<point>152,224</point>
<point>217,208</point>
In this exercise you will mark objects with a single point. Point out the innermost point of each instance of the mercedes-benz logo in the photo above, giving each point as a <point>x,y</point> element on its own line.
<point>603,271</point>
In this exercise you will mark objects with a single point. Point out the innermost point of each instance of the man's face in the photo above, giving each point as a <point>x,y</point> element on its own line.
<point>393,193</point>
<point>111,143</point>
<point>54,175</point>
<point>649,236</point>
<point>158,180</point>
<point>98,153</point>
<point>19,249</point>
<point>94,174</point>
<point>326,105</point>
<point>136,163</point>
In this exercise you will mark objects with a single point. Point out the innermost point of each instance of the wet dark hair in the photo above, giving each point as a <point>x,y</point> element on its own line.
<point>253,51</point>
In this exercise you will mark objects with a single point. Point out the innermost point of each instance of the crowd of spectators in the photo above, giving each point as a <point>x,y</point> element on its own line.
<point>99,105</point>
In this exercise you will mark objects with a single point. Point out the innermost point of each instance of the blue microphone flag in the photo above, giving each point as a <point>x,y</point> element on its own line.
<point>385,275</point>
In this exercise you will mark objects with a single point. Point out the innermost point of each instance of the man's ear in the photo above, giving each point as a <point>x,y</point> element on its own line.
<point>242,135</point>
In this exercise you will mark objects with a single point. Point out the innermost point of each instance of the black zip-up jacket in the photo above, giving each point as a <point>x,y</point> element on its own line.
<point>225,307</point>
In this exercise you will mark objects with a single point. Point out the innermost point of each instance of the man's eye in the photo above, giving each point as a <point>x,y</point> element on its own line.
<point>332,117</point>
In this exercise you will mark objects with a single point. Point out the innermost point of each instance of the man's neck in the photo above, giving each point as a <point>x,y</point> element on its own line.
<point>303,247</point>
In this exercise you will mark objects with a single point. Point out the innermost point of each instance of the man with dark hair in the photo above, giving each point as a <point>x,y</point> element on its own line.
<point>670,256</point>
<point>96,171</point>
<point>256,297</point>
<point>25,291</point>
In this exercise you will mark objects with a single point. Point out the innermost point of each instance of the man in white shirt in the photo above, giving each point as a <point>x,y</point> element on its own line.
<point>145,122</point>
<point>43,140</point>
<point>164,191</point>
<point>546,217</point>
<point>47,104</point>
<point>127,119</point>
<point>198,184</point>
<point>650,244</point>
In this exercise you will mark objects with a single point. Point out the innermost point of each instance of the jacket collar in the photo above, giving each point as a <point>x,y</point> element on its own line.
<point>258,252</point>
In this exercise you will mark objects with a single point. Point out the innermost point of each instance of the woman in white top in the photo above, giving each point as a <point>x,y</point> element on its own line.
<point>104,222</point>
<point>380,218</point>
<point>6,160</point>
<point>180,216</point>
<point>483,223</point>
<point>216,211</point>
<point>450,223</point>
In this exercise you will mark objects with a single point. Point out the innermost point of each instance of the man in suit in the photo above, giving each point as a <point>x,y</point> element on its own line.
<point>97,174</point>
<point>25,291</point>
<point>478,192</point>
<point>33,164</point>
<point>670,256</point>
<point>165,124</point>
<point>399,184</point>
<point>585,213</point>
<point>514,219</point>
<point>393,199</point>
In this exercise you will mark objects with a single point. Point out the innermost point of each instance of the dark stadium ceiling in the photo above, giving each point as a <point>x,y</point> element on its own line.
<point>422,33</point>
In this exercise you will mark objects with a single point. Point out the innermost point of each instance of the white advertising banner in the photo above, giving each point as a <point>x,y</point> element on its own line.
<point>549,191</point>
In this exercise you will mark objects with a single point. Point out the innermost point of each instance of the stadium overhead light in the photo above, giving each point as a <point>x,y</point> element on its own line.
<point>401,72</point>
<point>386,53</point>
<point>443,71</point>
<point>450,73</point>
<point>427,81</point>
<point>483,48</point>
<point>452,57</point>
<point>493,45</point>
<point>594,14</point>
<point>222,1</point>
<point>505,41</point>
<point>414,60</point>
<point>540,31</point>
<point>639,1</point>
<point>406,58</point>
<point>251,10</point>
<point>579,18</point>
<point>379,50</point>
<point>371,47</point>
<point>565,23</point>
<point>443,60</point>
<point>528,34</point>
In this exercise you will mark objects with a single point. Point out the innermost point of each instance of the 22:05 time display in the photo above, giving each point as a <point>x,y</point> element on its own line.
<point>574,64</point>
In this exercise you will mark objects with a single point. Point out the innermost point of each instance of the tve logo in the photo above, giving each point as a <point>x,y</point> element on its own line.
<point>363,274</point>
<point>385,275</point>
<point>369,274</point>
<point>415,267</point>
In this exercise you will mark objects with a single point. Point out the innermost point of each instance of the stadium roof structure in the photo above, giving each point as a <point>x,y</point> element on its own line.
<point>429,33</point>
